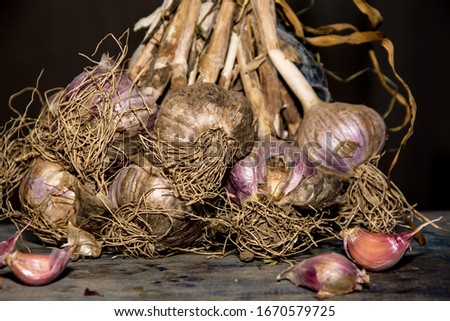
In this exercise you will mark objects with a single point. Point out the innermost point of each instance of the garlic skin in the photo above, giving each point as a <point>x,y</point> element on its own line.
<point>328,274</point>
<point>84,243</point>
<point>134,183</point>
<point>50,191</point>
<point>134,111</point>
<point>338,137</point>
<point>378,251</point>
<point>195,109</point>
<point>7,247</point>
<point>374,251</point>
<point>280,172</point>
<point>39,269</point>
<point>145,187</point>
<point>105,97</point>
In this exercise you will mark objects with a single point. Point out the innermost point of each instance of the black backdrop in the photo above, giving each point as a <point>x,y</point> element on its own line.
<point>48,35</point>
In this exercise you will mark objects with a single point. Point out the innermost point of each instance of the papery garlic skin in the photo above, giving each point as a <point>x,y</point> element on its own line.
<point>84,243</point>
<point>378,251</point>
<point>328,274</point>
<point>280,172</point>
<point>49,190</point>
<point>338,137</point>
<point>134,184</point>
<point>134,111</point>
<point>146,188</point>
<point>7,247</point>
<point>198,108</point>
<point>39,269</point>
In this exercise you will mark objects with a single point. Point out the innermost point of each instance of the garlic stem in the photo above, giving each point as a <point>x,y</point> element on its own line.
<point>160,73</point>
<point>213,58</point>
<point>252,86</point>
<point>265,15</point>
<point>179,63</point>
<point>295,79</point>
<point>226,75</point>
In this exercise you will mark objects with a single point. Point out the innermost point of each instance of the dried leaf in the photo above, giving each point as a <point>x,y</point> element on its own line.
<point>292,18</point>
<point>355,38</point>
<point>372,14</point>
<point>411,107</point>
<point>330,29</point>
<point>255,63</point>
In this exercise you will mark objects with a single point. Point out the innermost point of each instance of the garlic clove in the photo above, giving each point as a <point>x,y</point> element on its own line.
<point>39,269</point>
<point>7,247</point>
<point>378,251</point>
<point>374,251</point>
<point>83,242</point>
<point>328,274</point>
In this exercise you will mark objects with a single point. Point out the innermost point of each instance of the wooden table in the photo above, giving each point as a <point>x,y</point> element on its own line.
<point>423,274</point>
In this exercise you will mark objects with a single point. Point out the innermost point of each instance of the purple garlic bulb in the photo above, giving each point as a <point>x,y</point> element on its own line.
<point>280,172</point>
<point>338,137</point>
<point>108,88</point>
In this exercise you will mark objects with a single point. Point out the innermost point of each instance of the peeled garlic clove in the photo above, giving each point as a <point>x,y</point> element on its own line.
<point>329,274</point>
<point>39,269</point>
<point>378,251</point>
<point>7,247</point>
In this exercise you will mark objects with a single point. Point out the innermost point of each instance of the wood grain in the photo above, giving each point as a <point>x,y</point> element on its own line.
<point>423,274</point>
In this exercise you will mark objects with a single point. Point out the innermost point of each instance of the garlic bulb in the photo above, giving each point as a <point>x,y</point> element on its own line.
<point>199,132</point>
<point>338,137</point>
<point>50,191</point>
<point>378,251</point>
<point>134,184</point>
<point>113,91</point>
<point>149,191</point>
<point>280,172</point>
<point>329,274</point>
<point>55,199</point>
<point>201,107</point>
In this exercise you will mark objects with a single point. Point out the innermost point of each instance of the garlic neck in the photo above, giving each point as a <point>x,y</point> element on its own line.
<point>295,79</point>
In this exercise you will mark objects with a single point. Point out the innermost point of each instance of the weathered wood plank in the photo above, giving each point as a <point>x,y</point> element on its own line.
<point>423,274</point>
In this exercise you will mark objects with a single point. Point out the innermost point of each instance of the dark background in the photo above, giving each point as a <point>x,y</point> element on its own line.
<point>48,35</point>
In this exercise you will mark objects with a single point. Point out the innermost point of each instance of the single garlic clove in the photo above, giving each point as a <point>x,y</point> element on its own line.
<point>378,251</point>
<point>7,247</point>
<point>374,251</point>
<point>39,269</point>
<point>329,274</point>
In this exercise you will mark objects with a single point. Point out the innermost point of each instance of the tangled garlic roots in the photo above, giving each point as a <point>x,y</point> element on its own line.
<point>136,230</point>
<point>270,231</point>
<point>371,201</point>
<point>195,169</point>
